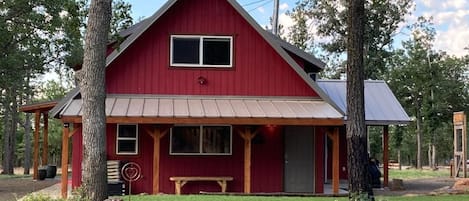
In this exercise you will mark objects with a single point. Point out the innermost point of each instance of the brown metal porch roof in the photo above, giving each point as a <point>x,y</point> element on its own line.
<point>211,109</point>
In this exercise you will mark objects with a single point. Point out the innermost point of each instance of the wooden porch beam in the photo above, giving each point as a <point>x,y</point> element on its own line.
<point>45,141</point>
<point>385,156</point>
<point>156,134</point>
<point>64,179</point>
<point>75,130</point>
<point>37,119</point>
<point>247,135</point>
<point>231,120</point>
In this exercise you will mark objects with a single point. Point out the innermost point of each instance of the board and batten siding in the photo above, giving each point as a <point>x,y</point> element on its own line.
<point>143,158</point>
<point>258,70</point>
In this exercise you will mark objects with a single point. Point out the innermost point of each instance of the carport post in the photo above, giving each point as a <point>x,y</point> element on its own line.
<point>37,119</point>
<point>385,156</point>
<point>64,179</point>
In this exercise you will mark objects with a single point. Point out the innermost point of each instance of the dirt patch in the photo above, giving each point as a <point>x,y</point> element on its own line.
<point>414,187</point>
<point>12,189</point>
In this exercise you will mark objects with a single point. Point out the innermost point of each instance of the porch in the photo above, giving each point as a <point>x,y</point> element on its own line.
<point>247,116</point>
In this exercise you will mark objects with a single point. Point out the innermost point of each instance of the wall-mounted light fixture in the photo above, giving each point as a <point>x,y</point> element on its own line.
<point>202,80</point>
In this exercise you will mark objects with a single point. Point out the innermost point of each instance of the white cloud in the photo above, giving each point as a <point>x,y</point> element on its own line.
<point>261,9</point>
<point>457,4</point>
<point>286,21</point>
<point>430,3</point>
<point>283,6</point>
<point>451,18</point>
<point>453,40</point>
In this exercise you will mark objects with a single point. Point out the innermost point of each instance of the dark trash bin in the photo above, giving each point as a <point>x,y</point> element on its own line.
<point>42,173</point>
<point>51,171</point>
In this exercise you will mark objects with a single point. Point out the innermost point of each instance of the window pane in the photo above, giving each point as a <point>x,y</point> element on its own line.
<point>127,131</point>
<point>186,50</point>
<point>216,139</point>
<point>126,146</point>
<point>217,51</point>
<point>185,139</point>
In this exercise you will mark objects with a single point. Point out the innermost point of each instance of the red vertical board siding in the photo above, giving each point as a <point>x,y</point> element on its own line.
<point>186,165</point>
<point>320,136</point>
<point>343,153</point>
<point>258,70</point>
<point>297,59</point>
<point>77,157</point>
<point>267,160</point>
<point>144,158</point>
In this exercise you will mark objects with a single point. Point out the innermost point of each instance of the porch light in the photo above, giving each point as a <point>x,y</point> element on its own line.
<point>202,80</point>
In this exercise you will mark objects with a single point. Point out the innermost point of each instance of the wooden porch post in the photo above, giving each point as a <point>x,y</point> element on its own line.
<point>385,156</point>
<point>45,142</point>
<point>156,134</point>
<point>37,119</point>
<point>335,163</point>
<point>247,135</point>
<point>64,179</point>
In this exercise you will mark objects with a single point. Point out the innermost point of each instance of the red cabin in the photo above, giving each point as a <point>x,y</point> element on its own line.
<point>199,92</point>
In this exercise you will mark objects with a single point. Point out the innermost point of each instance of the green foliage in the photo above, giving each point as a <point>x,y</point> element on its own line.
<point>40,197</point>
<point>299,34</point>
<point>430,85</point>
<point>408,174</point>
<point>328,17</point>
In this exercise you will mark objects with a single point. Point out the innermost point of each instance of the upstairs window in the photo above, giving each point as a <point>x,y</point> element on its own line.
<point>201,51</point>
<point>127,139</point>
<point>201,140</point>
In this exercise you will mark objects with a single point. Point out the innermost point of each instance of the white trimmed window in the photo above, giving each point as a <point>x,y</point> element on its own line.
<point>201,51</point>
<point>127,139</point>
<point>201,140</point>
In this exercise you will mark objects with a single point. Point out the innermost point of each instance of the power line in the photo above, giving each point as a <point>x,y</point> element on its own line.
<point>248,4</point>
<point>267,1</point>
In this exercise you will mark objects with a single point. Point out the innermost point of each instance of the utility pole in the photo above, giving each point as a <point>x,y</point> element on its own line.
<point>275,18</point>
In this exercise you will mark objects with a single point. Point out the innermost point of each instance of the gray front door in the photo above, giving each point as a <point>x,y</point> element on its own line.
<point>299,159</point>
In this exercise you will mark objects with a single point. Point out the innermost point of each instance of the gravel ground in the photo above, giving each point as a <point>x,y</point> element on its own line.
<point>12,189</point>
<point>416,187</point>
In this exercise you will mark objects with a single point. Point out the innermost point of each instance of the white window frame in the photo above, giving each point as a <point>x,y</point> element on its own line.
<point>201,51</point>
<point>201,141</point>
<point>127,138</point>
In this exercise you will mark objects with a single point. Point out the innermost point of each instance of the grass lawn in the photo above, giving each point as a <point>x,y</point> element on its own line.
<point>417,174</point>
<point>5,176</point>
<point>261,198</point>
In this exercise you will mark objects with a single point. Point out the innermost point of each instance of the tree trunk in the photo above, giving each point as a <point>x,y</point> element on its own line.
<point>10,125</point>
<point>433,157</point>
<point>429,154</point>
<point>419,140</point>
<point>399,158</point>
<point>7,162</point>
<point>359,182</point>
<point>92,85</point>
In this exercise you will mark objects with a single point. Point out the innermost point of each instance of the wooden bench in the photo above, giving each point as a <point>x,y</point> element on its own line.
<point>179,182</point>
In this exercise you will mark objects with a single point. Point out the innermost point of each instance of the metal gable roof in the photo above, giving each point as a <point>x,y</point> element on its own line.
<point>276,44</point>
<point>381,106</point>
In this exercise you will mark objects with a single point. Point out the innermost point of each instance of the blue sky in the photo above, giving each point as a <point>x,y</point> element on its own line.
<point>451,18</point>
